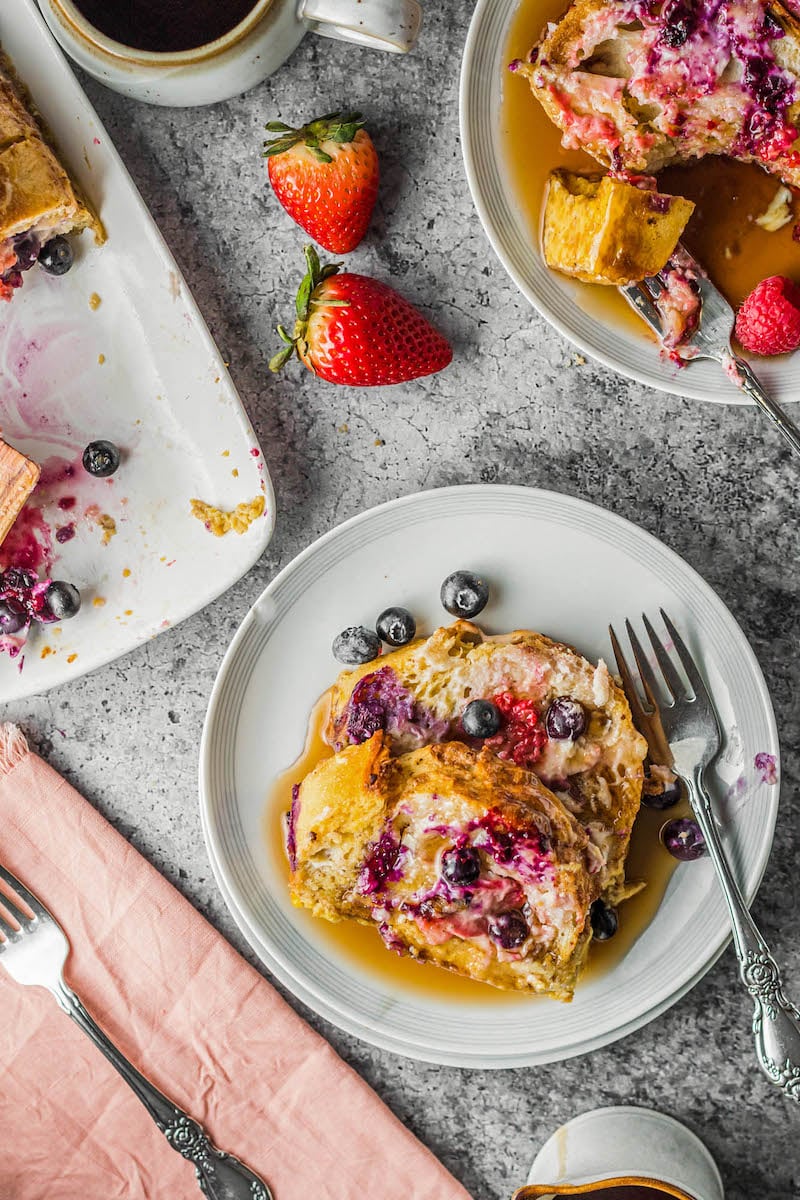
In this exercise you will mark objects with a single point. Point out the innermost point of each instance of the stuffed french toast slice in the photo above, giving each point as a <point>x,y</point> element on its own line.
<point>564,720</point>
<point>38,199</point>
<point>641,86</point>
<point>482,854</point>
<point>456,857</point>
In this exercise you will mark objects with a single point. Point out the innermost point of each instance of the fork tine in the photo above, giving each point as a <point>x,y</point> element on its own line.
<point>631,691</point>
<point>13,908</point>
<point>694,676</point>
<point>22,894</point>
<point>7,929</point>
<point>639,299</point>
<point>645,670</point>
<point>671,677</point>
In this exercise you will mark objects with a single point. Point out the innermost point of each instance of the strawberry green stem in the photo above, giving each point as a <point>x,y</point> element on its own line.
<point>315,275</point>
<point>338,127</point>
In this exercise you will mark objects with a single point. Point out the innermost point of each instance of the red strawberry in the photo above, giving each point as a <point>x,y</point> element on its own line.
<point>355,330</point>
<point>326,177</point>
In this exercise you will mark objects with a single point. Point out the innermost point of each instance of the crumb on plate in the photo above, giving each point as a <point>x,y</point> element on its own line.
<point>108,526</point>
<point>219,522</point>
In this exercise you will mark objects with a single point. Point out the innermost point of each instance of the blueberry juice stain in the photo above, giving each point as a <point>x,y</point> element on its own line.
<point>165,26</point>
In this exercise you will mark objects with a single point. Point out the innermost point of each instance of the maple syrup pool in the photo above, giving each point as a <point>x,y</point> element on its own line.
<point>363,947</point>
<point>722,232</point>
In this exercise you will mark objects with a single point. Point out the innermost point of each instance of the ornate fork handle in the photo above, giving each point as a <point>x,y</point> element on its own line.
<point>220,1175</point>
<point>750,384</point>
<point>776,1021</point>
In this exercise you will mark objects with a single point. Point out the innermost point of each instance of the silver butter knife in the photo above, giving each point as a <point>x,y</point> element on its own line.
<point>712,335</point>
<point>34,949</point>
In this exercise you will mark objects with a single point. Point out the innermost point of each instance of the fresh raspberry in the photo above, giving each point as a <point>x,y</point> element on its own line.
<point>521,739</point>
<point>769,320</point>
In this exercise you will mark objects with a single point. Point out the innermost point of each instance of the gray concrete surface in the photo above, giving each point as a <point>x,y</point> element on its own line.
<point>714,483</point>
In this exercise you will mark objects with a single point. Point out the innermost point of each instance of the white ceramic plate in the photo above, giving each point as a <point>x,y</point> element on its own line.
<point>162,393</point>
<point>484,74</point>
<point>557,565</point>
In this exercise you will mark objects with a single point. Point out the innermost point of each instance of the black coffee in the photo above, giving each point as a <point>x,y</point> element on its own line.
<point>165,25</point>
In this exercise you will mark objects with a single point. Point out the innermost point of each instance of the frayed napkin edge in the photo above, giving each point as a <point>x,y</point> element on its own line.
<point>13,747</point>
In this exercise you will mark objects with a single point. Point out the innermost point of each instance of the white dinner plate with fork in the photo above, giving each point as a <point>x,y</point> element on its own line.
<point>554,564</point>
<point>563,301</point>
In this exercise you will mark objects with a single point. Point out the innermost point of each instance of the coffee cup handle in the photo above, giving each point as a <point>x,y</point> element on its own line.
<point>391,25</point>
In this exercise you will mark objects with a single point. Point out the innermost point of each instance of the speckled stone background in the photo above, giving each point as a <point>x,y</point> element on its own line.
<point>516,406</point>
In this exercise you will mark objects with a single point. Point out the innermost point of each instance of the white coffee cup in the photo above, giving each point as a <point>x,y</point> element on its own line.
<point>240,59</point>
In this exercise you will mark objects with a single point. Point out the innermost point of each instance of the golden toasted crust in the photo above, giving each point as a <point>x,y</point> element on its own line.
<point>535,859</point>
<point>598,777</point>
<point>584,73</point>
<point>36,193</point>
<point>606,230</point>
<point>341,809</point>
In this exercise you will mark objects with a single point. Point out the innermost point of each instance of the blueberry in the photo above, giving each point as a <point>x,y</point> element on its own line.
<point>464,594</point>
<point>26,248</point>
<point>604,921</point>
<point>660,793</point>
<point>56,256</point>
<point>101,458</point>
<point>481,719</point>
<point>62,599</point>
<point>684,840</point>
<point>679,20</point>
<point>18,578</point>
<point>356,645</point>
<point>396,626</point>
<point>508,929</point>
<point>461,865</point>
<point>565,719</point>
<point>12,616</point>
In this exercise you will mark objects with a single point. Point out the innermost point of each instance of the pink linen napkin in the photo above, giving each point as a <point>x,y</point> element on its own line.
<point>190,1013</point>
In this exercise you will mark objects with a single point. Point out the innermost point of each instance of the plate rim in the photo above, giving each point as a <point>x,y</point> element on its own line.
<point>645,375</point>
<point>272,957</point>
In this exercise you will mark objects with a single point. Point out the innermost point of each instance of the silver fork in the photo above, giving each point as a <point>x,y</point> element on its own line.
<point>712,338</point>
<point>687,731</point>
<point>34,949</point>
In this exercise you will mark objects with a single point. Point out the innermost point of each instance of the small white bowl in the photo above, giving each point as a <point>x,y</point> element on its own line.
<point>624,1146</point>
